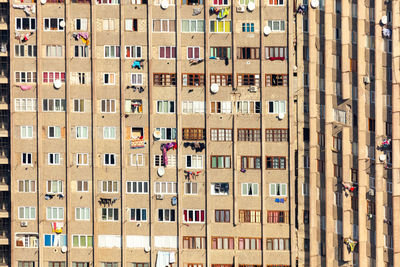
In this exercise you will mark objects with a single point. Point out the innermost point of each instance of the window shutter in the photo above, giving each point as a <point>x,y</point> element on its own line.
<point>197,52</point>
<point>190,52</point>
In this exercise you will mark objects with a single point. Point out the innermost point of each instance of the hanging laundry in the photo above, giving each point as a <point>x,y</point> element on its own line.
<point>351,244</point>
<point>25,87</point>
<point>136,64</point>
<point>223,13</point>
<point>3,47</point>
<point>386,33</point>
<point>197,11</point>
<point>57,227</point>
<point>28,9</point>
<point>302,9</point>
<point>23,37</point>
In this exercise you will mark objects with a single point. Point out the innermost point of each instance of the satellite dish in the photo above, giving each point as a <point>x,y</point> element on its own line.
<point>43,2</point>
<point>164,4</point>
<point>251,6</point>
<point>382,157</point>
<point>63,249</point>
<point>314,3</point>
<point>384,20</point>
<point>62,24</point>
<point>214,88</point>
<point>160,171</point>
<point>57,84</point>
<point>281,116</point>
<point>147,249</point>
<point>157,134</point>
<point>267,30</point>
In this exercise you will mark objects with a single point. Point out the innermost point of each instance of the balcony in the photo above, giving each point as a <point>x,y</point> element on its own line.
<point>3,20</point>
<point>3,156</point>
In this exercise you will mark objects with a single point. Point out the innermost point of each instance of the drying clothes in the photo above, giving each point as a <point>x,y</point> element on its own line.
<point>28,9</point>
<point>195,61</point>
<point>136,64</point>
<point>172,145</point>
<point>57,227</point>
<point>223,13</point>
<point>386,32</point>
<point>163,259</point>
<point>199,147</point>
<point>84,35</point>
<point>23,37</point>
<point>85,41</point>
<point>25,87</point>
<point>165,157</point>
<point>3,47</point>
<point>197,11</point>
<point>302,9</point>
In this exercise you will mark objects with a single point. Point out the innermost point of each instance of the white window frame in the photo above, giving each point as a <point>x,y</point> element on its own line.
<point>193,53</point>
<point>81,51</point>
<point>55,157</point>
<point>27,185</point>
<point>166,185</point>
<point>108,24</point>
<point>32,24</point>
<point>281,186</point>
<point>109,78</point>
<point>220,193</point>
<point>56,187</point>
<point>137,160</point>
<point>82,132</point>
<point>169,102</point>
<point>278,106</point>
<point>191,188</point>
<point>83,212</point>
<point>109,103</point>
<point>141,210</point>
<point>59,28</point>
<point>109,133</point>
<point>193,107</point>
<point>137,185</point>
<point>79,237</point>
<point>280,23</point>
<point>110,159</point>
<point>159,159</point>
<point>28,211</point>
<point>54,51</point>
<point>23,77</point>
<point>109,211</point>
<point>55,213</point>
<point>83,182</point>
<point>164,131</point>
<point>109,186</point>
<point>164,215</point>
<point>137,78</point>
<point>197,25</point>
<point>26,132</point>
<point>28,159</point>
<point>83,24</point>
<point>254,187</point>
<point>195,160</point>
<point>134,51</point>
<point>56,130</point>
<point>80,159</point>
<point>225,22</point>
<point>194,211</point>
<point>112,51</point>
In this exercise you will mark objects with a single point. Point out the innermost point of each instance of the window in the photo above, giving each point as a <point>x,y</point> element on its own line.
<point>276,135</point>
<point>55,213</point>
<point>137,78</point>
<point>221,107</point>
<point>82,186</point>
<point>192,2</point>
<point>26,264</point>
<point>159,161</point>
<point>82,214</point>
<point>109,214</point>
<point>248,79</point>
<point>25,77</point>
<point>275,79</point>
<point>136,187</point>
<point>194,161</point>
<point>371,125</point>
<point>276,107</point>
<point>337,143</point>
<point>55,240</point>
<point>223,26</point>
<point>339,115</point>
<point>245,2</point>
<point>193,107</point>
<point>54,105</point>
<point>82,241</point>
<point>26,158</point>
<point>107,2</point>
<point>138,215</point>
<point>277,190</point>
<point>276,162</point>
<point>26,213</point>
<point>109,264</point>
<point>194,242</point>
<point>54,132</point>
<point>192,25</point>
<point>137,160</point>
<point>193,52</point>
<point>250,243</point>
<point>81,51</point>
<point>82,159</point>
<point>53,24</point>
<point>222,216</point>
<point>166,215</point>
<point>277,25</point>
<point>222,242</point>
<point>165,106</point>
<point>193,216</point>
<point>249,135</point>
<point>193,134</point>
<point>79,105</point>
<point>192,79</point>
<point>164,79</point>
<point>221,162</point>
<point>220,52</point>
<point>165,188</point>
<point>111,51</point>
<point>109,187</point>
<point>250,162</point>
<point>136,132</point>
<point>221,189</point>
<point>26,132</point>
<point>167,52</point>
<point>163,25</point>
<point>304,189</point>
<point>80,78</point>
<point>26,186</point>
<point>221,79</point>
<point>248,107</point>
<point>276,3</point>
<point>82,132</point>
<point>275,52</point>
<point>110,159</point>
<point>81,24</point>
<point>20,50</point>
<point>131,25</point>
<point>108,106</point>
<point>249,216</point>
<point>54,51</point>
<point>54,158</point>
<point>27,241</point>
<point>25,24</point>
<point>278,244</point>
<point>109,78</point>
<point>221,134</point>
<point>220,2</point>
<point>167,134</point>
<point>249,189</point>
<point>247,27</point>
<point>109,132</point>
<point>278,216</point>
<point>132,51</point>
<point>320,165</point>
<point>108,24</point>
<point>388,241</point>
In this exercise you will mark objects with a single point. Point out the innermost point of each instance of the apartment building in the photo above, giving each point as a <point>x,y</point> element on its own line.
<point>222,133</point>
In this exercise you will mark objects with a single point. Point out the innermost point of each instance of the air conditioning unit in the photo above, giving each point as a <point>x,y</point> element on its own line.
<point>367,80</point>
<point>253,89</point>
<point>24,224</point>
<point>371,192</point>
<point>160,197</point>
<point>240,9</point>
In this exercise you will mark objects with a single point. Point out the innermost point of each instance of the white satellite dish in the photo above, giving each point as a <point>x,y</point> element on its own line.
<point>382,157</point>
<point>281,116</point>
<point>63,249</point>
<point>164,4</point>
<point>43,2</point>
<point>267,30</point>
<point>160,171</point>
<point>57,84</point>
<point>384,20</point>
<point>251,6</point>
<point>157,134</point>
<point>314,3</point>
<point>214,88</point>
<point>147,249</point>
<point>62,24</point>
